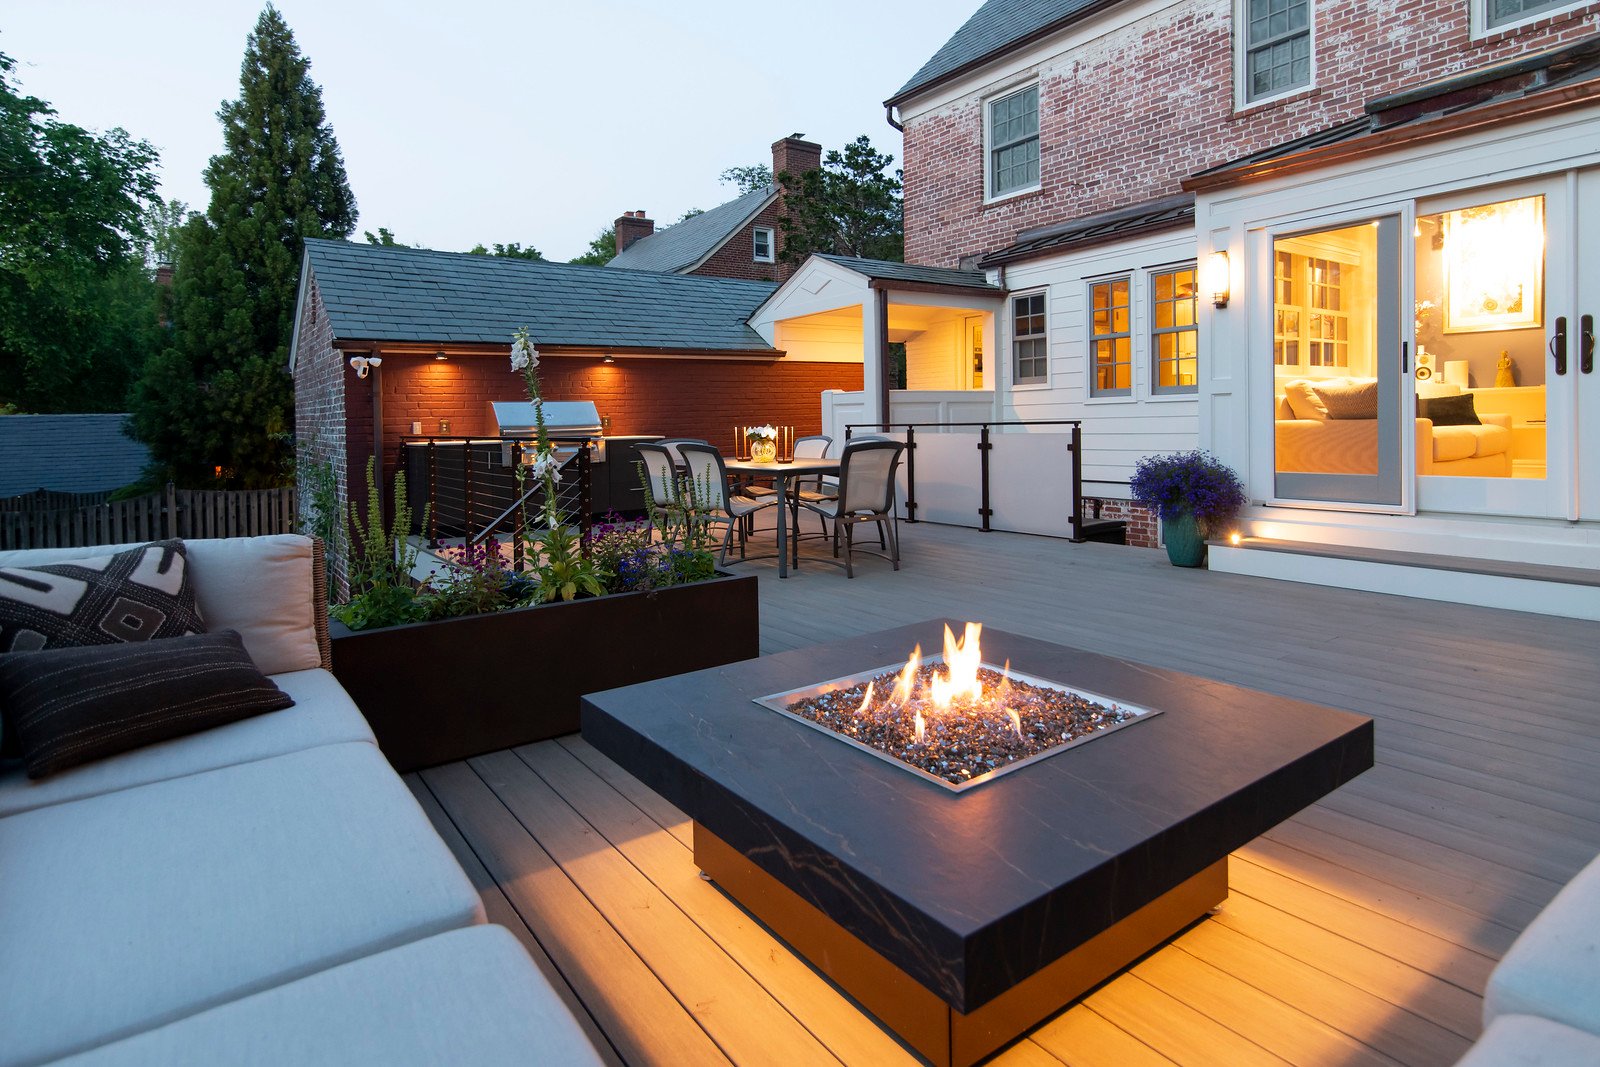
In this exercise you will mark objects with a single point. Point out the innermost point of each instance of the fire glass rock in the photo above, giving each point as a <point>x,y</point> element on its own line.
<point>969,739</point>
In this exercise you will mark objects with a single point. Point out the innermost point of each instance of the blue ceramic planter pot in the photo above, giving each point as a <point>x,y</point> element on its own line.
<point>1185,546</point>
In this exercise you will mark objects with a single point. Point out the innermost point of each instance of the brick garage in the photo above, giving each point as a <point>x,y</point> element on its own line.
<point>1126,117</point>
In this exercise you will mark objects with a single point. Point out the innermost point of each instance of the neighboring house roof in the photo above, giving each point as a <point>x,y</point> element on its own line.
<point>995,29</point>
<point>373,293</point>
<point>67,454</point>
<point>1168,213</point>
<point>688,244</point>
<point>1555,77</point>
<point>884,270</point>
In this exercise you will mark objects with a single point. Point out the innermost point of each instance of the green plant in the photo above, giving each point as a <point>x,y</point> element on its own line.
<point>477,582</point>
<point>320,513</point>
<point>382,592</point>
<point>556,559</point>
<point>686,516</point>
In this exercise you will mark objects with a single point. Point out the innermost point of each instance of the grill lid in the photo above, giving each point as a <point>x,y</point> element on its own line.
<point>563,418</point>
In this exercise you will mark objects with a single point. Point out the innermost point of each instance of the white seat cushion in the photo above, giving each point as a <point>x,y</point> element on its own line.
<point>323,714</point>
<point>261,586</point>
<point>1454,442</point>
<point>1527,1041</point>
<point>469,996</point>
<point>133,909</point>
<point>1553,969</point>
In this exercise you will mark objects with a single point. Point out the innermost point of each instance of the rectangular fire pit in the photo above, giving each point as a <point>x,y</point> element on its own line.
<point>961,918</point>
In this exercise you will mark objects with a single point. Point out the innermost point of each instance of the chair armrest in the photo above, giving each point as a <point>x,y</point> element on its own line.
<point>1495,418</point>
<point>1424,446</point>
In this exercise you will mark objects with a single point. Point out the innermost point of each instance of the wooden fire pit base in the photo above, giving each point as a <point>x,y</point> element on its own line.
<point>923,1020</point>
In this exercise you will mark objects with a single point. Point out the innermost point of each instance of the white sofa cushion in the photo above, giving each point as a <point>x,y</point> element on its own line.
<point>127,911</point>
<point>323,714</point>
<point>261,586</point>
<point>469,996</point>
<point>1528,1041</point>
<point>1553,969</point>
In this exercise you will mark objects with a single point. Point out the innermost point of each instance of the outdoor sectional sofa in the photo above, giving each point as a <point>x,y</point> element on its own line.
<point>263,892</point>
<point>1542,1006</point>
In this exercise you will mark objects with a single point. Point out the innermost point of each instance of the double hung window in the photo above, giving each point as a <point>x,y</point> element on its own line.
<point>1110,338</point>
<point>1276,46</point>
<point>1030,346</point>
<point>763,244</point>
<point>1501,13</point>
<point>1174,337</point>
<point>1014,142</point>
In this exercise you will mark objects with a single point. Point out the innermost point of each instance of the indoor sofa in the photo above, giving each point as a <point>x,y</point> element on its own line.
<point>267,891</point>
<point>1350,445</point>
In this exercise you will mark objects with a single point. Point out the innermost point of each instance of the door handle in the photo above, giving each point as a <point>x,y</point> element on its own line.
<point>1558,345</point>
<point>1405,357</point>
<point>1586,344</point>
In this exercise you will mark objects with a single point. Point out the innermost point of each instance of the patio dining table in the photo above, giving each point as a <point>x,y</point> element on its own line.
<point>782,474</point>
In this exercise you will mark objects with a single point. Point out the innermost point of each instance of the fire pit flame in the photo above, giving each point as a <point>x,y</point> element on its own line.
<point>953,717</point>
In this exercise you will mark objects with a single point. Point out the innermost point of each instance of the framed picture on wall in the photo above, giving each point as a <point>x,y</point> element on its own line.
<point>1494,267</point>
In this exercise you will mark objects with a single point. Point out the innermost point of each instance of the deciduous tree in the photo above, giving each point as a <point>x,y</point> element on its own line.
<point>602,250</point>
<point>219,398</point>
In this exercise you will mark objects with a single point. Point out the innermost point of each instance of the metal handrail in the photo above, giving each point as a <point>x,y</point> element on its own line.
<point>1074,447</point>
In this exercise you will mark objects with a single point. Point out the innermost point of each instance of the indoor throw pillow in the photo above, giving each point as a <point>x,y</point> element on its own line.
<point>134,595</point>
<point>1352,398</point>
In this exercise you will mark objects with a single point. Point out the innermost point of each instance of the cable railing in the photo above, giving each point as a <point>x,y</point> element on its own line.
<point>985,446</point>
<point>470,489</point>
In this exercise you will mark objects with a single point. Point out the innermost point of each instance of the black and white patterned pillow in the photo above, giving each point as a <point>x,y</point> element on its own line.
<point>134,595</point>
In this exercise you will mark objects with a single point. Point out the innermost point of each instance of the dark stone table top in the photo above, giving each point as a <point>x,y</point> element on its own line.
<point>972,892</point>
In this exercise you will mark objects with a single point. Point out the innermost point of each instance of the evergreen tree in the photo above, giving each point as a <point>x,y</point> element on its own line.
<point>78,309</point>
<point>848,207</point>
<point>219,399</point>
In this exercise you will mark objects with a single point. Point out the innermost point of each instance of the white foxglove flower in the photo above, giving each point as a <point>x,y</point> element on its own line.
<point>523,355</point>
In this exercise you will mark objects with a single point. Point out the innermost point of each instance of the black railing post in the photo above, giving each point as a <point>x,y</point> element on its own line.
<point>983,456</point>
<point>911,473</point>
<point>585,499</point>
<point>1077,483</point>
<point>518,531</point>
<point>467,502</point>
<point>433,496</point>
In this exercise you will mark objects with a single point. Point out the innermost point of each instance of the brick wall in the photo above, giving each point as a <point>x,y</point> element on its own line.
<point>736,258</point>
<point>1125,118</point>
<point>319,407</point>
<point>1143,527</point>
<point>677,397</point>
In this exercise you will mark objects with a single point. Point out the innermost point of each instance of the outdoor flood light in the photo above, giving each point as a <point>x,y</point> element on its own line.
<point>363,365</point>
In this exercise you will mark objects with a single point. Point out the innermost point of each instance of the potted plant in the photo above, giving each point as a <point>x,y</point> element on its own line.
<point>1194,493</point>
<point>483,655</point>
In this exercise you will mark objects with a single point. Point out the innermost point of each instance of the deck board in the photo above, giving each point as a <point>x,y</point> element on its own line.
<point>1360,931</point>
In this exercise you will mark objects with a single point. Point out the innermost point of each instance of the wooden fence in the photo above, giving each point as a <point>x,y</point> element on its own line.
<point>173,512</point>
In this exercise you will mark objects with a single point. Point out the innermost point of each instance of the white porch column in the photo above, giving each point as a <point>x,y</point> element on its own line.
<point>874,313</point>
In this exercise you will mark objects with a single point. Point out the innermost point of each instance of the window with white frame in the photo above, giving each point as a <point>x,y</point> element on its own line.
<point>1174,336</point>
<point>763,244</point>
<point>1030,347</point>
<point>1312,306</point>
<point>1497,14</point>
<point>1013,133</point>
<point>1276,46</point>
<point>1110,338</point>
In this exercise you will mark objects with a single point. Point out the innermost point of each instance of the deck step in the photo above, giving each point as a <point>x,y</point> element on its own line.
<point>1572,592</point>
<point>1106,531</point>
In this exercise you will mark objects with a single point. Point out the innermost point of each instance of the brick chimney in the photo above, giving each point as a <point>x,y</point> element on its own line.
<point>631,227</point>
<point>795,156</point>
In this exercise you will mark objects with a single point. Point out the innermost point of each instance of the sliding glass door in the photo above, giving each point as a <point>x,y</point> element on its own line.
<point>1339,368</point>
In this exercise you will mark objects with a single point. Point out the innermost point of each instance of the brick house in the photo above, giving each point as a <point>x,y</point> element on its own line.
<point>1201,209</point>
<point>739,239</point>
<point>656,353</point>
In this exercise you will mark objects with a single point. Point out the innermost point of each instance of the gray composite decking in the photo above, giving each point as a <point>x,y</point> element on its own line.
<point>1360,931</point>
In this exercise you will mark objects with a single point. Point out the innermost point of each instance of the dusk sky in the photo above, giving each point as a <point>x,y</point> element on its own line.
<point>498,121</point>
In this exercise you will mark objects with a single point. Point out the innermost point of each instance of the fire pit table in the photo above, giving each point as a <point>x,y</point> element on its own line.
<point>962,916</point>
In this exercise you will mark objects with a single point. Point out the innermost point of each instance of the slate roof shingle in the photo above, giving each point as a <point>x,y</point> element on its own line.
<point>683,245</point>
<point>67,454</point>
<point>408,294</point>
<point>1150,217</point>
<point>994,29</point>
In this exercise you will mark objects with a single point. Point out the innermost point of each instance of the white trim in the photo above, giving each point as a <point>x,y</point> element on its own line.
<point>1482,29</point>
<point>1241,62</point>
<point>991,98</point>
<point>1153,390</point>
<point>1090,395</point>
<point>299,309</point>
<point>772,248</point>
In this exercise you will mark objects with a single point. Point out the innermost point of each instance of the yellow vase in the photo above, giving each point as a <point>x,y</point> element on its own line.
<point>763,450</point>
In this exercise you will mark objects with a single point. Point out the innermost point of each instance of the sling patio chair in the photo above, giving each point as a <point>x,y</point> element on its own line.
<point>707,478</point>
<point>866,494</point>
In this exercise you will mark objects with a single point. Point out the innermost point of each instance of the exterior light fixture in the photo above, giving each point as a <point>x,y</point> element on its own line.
<point>363,365</point>
<point>608,358</point>
<point>1217,278</point>
<point>439,356</point>
<point>1234,538</point>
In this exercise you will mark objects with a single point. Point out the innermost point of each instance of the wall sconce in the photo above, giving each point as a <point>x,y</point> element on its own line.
<point>1217,278</point>
<point>608,359</point>
<point>439,356</point>
<point>363,365</point>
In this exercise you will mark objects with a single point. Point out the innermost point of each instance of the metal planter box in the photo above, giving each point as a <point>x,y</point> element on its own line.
<point>436,692</point>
